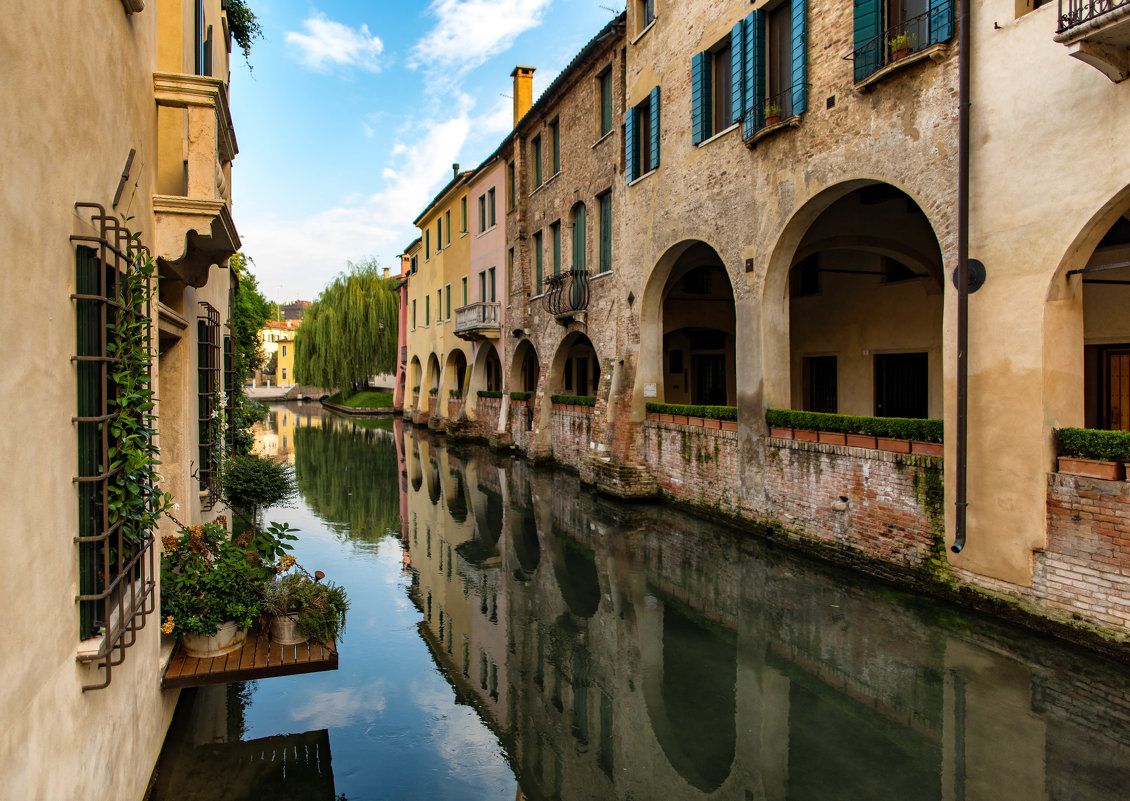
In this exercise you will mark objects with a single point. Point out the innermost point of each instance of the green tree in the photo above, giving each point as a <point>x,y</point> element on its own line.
<point>250,312</point>
<point>349,333</point>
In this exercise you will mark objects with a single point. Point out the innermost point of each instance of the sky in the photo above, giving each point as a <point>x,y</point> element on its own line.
<point>353,111</point>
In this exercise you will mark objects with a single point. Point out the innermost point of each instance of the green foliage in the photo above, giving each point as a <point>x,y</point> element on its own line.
<point>918,430</point>
<point>349,333</point>
<point>133,500</point>
<point>244,26</point>
<point>1089,443</point>
<point>521,396</point>
<point>573,400</point>
<point>318,609</point>
<point>250,483</point>
<point>455,393</point>
<point>490,393</point>
<point>250,311</point>
<point>706,412</point>
<point>363,400</point>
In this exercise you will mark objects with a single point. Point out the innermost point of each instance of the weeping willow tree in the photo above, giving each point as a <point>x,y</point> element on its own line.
<point>349,333</point>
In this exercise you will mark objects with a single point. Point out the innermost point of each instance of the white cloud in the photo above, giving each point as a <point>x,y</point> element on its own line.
<point>328,44</point>
<point>340,707</point>
<point>468,32</point>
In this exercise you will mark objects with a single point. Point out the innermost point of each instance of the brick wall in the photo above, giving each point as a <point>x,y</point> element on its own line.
<point>521,432</point>
<point>571,430</point>
<point>693,464</point>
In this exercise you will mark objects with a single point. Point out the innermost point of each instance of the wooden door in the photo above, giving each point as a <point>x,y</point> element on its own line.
<point>1116,377</point>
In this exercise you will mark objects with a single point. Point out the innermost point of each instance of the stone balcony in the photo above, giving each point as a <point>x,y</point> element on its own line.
<point>1097,32</point>
<point>477,321</point>
<point>192,204</point>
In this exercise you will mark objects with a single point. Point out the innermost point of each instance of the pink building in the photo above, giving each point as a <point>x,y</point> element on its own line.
<point>407,261</point>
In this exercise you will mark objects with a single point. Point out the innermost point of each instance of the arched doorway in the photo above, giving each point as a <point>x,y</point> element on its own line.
<point>1105,288</point>
<point>455,372</point>
<point>525,368</point>
<point>576,368</point>
<point>415,376</point>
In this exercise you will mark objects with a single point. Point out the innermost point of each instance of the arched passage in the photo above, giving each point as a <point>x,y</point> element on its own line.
<point>455,373</point>
<point>415,376</point>
<point>858,300</point>
<point>576,368</point>
<point>524,368</point>
<point>431,378</point>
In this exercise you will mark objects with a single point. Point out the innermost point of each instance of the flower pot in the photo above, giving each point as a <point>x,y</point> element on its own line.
<point>901,53</point>
<point>284,630</point>
<point>781,433</point>
<point>860,441</point>
<point>729,425</point>
<point>695,421</point>
<point>229,638</point>
<point>710,423</point>
<point>1091,468</point>
<point>928,449</point>
<point>893,445</point>
<point>772,119</point>
<point>681,419</point>
<point>805,436</point>
<point>832,437</point>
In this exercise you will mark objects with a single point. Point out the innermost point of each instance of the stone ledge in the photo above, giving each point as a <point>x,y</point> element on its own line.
<point>874,454</point>
<point>620,479</point>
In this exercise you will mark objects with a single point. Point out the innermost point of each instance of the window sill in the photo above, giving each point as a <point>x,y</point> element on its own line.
<point>544,184</point>
<point>935,53</point>
<point>775,128</point>
<point>647,28</point>
<point>635,181</point>
<point>601,139</point>
<point>719,135</point>
<point>487,231</point>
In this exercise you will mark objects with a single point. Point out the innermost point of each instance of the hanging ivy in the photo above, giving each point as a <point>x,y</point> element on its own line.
<point>244,26</point>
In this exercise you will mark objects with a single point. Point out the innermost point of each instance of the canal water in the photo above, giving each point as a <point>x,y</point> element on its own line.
<point>514,636</point>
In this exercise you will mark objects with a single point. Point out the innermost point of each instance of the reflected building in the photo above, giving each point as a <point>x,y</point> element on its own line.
<point>633,652</point>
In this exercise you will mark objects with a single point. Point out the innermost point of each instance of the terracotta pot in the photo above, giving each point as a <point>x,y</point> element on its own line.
<point>695,421</point>
<point>805,436</point>
<point>832,437</point>
<point>928,449</point>
<point>893,445</point>
<point>772,119</point>
<point>681,419</point>
<point>781,433</point>
<point>859,441</point>
<point>284,630</point>
<point>731,425</point>
<point>666,418</point>
<point>1091,468</point>
<point>229,638</point>
<point>901,53</point>
<point>708,423</point>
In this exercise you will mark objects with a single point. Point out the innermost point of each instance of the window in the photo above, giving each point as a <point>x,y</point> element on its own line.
<point>464,282</point>
<point>579,236</point>
<point>483,286</point>
<point>888,30</point>
<point>901,385</point>
<point>427,244</point>
<point>447,292</point>
<point>414,264</point>
<point>284,351</point>
<point>490,207</point>
<point>555,243</point>
<point>641,137</point>
<point>482,213</point>
<point>539,276</point>
<point>604,100</point>
<point>490,284</point>
<point>439,305</point>
<point>820,394</point>
<point>605,232</point>
<point>447,224</point>
<point>439,234</point>
<point>284,375</point>
<point>208,385</point>
<point>536,147</point>
<point>198,38</point>
<point>427,310</point>
<point>510,187</point>
<point>555,143</point>
<point>509,269</point>
<point>645,14</point>
<point>463,214</point>
<point>413,314</point>
<point>770,47</point>
<point>712,107</point>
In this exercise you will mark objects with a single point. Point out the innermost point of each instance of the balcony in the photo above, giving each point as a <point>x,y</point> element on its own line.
<point>1097,32</point>
<point>195,147</point>
<point>477,321</point>
<point>567,295</point>
<point>772,114</point>
<point>908,42</point>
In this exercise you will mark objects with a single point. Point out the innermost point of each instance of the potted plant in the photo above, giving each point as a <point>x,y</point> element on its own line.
<point>900,44</point>
<point>302,607</point>
<point>250,483</point>
<point>772,113</point>
<point>1093,453</point>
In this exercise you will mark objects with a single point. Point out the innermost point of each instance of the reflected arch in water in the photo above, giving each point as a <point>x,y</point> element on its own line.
<point>690,688</point>
<point>455,491</point>
<point>574,567</point>
<point>523,531</point>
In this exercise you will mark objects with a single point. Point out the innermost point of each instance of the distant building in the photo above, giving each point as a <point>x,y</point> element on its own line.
<point>278,347</point>
<point>295,310</point>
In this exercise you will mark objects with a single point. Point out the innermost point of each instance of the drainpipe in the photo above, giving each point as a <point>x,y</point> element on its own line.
<point>961,472</point>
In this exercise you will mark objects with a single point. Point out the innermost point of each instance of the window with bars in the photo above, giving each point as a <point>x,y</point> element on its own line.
<point>229,387</point>
<point>116,557</point>
<point>208,390</point>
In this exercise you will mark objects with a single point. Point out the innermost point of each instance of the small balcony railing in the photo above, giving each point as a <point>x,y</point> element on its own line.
<point>567,293</point>
<point>769,111</point>
<point>904,39</point>
<point>477,320</point>
<point>1073,13</point>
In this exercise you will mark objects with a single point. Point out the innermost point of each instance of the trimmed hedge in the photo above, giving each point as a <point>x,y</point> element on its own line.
<point>455,393</point>
<point>917,430</point>
<point>1089,443</point>
<point>521,395</point>
<point>489,393</point>
<point>573,400</point>
<point>707,412</point>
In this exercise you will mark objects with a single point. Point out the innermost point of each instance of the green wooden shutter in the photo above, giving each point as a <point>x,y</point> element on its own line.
<point>941,21</point>
<point>555,234</point>
<point>655,127</point>
<point>538,269</point>
<point>630,172</point>
<point>737,71</point>
<point>755,64</point>
<point>579,238</point>
<point>700,93</point>
<point>868,47</point>
<point>606,232</point>
<point>800,60</point>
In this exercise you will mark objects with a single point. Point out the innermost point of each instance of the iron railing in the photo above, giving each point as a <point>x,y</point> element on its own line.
<point>901,40</point>
<point>769,111</point>
<point>208,388</point>
<point>567,293</point>
<point>1074,13</point>
<point>476,317</point>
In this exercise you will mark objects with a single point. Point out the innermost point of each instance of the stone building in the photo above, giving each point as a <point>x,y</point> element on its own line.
<point>117,138</point>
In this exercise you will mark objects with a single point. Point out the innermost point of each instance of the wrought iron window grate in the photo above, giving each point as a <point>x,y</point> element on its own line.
<point>116,564</point>
<point>208,390</point>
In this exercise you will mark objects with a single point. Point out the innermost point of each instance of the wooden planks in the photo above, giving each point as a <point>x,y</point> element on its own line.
<point>259,658</point>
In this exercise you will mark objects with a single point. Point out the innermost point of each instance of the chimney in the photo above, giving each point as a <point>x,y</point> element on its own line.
<point>385,273</point>
<point>455,170</point>
<point>523,91</point>
<point>405,261</point>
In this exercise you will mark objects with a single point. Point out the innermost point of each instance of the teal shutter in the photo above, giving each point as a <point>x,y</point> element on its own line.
<point>755,63</point>
<point>579,238</point>
<point>655,127</point>
<point>868,47</point>
<point>606,232</point>
<point>737,71</point>
<point>700,95</point>
<point>941,21</point>
<point>630,145</point>
<point>800,56</point>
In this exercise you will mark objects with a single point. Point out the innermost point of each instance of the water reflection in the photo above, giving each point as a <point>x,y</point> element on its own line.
<point>633,652</point>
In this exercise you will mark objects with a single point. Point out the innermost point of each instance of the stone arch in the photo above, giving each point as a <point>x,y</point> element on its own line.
<point>415,379</point>
<point>486,374</point>
<point>431,376</point>
<point>454,373</point>
<point>575,369</point>
<point>525,369</point>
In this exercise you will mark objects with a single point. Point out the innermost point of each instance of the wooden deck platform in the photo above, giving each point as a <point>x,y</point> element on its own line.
<point>257,659</point>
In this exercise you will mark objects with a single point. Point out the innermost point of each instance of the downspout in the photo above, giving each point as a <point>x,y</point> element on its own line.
<point>961,473</point>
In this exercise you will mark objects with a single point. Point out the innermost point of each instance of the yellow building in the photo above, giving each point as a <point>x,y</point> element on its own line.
<point>278,341</point>
<point>116,138</point>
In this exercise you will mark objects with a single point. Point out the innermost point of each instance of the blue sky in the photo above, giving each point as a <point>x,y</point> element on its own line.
<point>355,110</point>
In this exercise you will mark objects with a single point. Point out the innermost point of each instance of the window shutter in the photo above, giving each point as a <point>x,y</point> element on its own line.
<point>800,56</point>
<point>755,62</point>
<point>868,48</point>
<point>630,145</point>
<point>699,70</point>
<point>655,127</point>
<point>737,71</point>
<point>941,21</point>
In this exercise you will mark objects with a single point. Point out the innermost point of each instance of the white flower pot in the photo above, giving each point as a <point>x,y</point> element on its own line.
<point>284,630</point>
<point>229,638</point>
